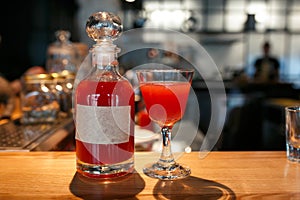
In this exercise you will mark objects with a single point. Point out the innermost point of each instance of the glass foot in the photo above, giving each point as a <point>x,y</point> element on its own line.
<point>172,172</point>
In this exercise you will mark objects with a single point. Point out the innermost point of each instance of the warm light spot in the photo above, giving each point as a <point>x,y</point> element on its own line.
<point>188,149</point>
<point>69,85</point>
<point>44,88</point>
<point>58,87</point>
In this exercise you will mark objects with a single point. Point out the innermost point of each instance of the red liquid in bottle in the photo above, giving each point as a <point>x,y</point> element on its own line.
<point>105,94</point>
<point>165,101</point>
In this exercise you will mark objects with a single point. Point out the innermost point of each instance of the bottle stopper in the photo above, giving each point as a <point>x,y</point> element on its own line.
<point>104,26</point>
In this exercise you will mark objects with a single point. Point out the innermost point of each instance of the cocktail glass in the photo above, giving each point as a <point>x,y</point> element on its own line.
<point>165,92</point>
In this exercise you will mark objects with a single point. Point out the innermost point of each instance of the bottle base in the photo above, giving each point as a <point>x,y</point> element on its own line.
<point>105,171</point>
<point>293,153</point>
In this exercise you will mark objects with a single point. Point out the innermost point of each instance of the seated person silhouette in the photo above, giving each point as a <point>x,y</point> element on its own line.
<point>266,67</point>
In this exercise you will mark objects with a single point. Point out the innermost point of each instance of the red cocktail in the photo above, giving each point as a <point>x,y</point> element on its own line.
<point>165,92</point>
<point>165,101</point>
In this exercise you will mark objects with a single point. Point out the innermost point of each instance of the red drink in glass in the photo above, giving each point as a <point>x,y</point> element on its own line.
<point>165,101</point>
<point>165,92</point>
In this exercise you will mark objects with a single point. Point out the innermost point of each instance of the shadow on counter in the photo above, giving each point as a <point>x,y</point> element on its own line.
<point>126,187</point>
<point>192,188</point>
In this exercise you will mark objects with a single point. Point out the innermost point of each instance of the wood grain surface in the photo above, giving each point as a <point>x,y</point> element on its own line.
<point>215,175</point>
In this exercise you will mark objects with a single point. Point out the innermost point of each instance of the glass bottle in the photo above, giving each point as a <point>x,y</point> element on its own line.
<point>104,106</point>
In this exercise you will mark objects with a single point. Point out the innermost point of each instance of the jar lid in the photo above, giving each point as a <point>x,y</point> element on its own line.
<point>36,78</point>
<point>63,74</point>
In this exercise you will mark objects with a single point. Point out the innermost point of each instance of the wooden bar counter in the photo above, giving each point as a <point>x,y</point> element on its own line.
<point>218,175</point>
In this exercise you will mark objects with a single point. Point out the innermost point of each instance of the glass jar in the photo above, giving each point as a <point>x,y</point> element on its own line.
<point>62,54</point>
<point>63,88</point>
<point>39,102</point>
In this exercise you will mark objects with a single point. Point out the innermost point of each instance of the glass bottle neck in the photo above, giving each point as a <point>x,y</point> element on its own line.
<point>105,63</point>
<point>104,56</point>
<point>104,60</point>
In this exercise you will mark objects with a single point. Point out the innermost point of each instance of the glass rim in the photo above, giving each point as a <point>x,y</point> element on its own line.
<point>295,108</point>
<point>164,70</point>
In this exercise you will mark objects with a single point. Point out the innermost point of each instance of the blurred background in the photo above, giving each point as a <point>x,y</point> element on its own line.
<point>231,31</point>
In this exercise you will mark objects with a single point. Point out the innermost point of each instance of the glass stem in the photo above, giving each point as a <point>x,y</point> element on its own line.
<point>166,157</point>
